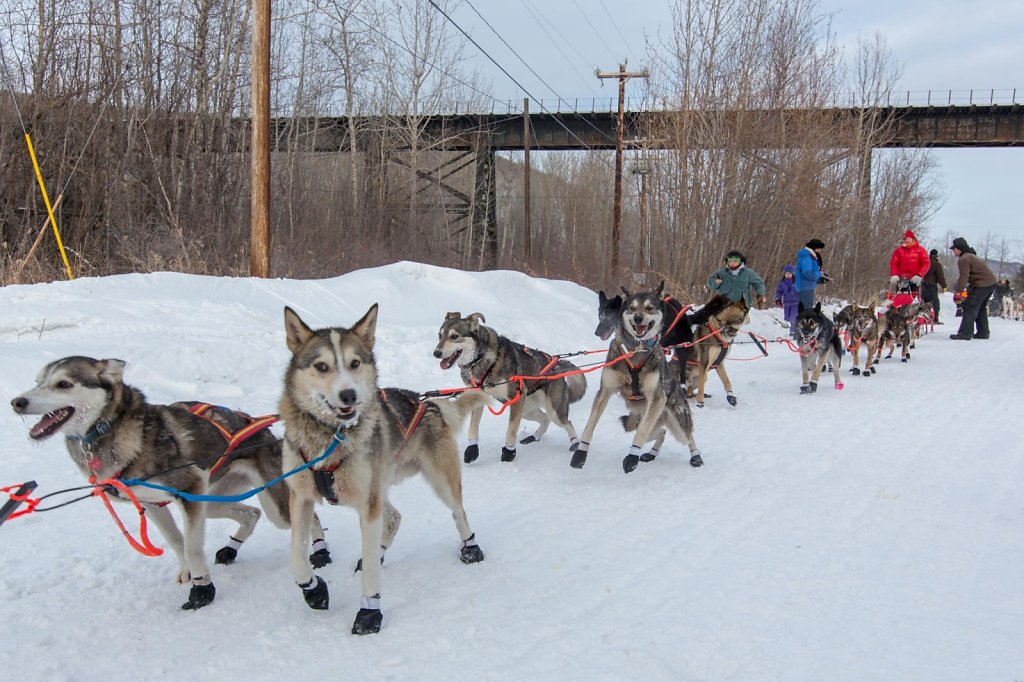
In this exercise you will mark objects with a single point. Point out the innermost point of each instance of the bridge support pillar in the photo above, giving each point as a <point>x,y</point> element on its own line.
<point>484,209</point>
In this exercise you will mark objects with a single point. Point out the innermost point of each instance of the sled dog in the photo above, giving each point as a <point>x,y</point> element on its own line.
<point>677,323</point>
<point>487,360</point>
<point>375,438</point>
<point>819,344</point>
<point>864,330</point>
<point>637,371</point>
<point>112,432</point>
<point>716,337</point>
<point>896,327</point>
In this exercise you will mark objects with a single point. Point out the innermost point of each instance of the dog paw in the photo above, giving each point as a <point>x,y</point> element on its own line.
<point>471,554</point>
<point>731,399</point>
<point>529,439</point>
<point>579,457</point>
<point>805,389</point>
<point>225,555</point>
<point>507,454</point>
<point>904,359</point>
<point>316,594</point>
<point>320,558</point>
<point>199,596</point>
<point>696,461</point>
<point>367,622</point>
<point>471,453</point>
<point>856,371</point>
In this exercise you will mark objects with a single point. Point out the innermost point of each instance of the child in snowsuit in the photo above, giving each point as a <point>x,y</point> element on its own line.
<point>787,297</point>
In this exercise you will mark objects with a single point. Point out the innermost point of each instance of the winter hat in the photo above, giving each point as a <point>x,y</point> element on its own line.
<point>961,243</point>
<point>788,268</point>
<point>910,233</point>
<point>815,244</point>
<point>736,254</point>
<point>933,252</point>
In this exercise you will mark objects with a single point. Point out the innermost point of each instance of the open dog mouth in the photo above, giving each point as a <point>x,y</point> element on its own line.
<point>450,360</point>
<point>641,329</point>
<point>50,422</point>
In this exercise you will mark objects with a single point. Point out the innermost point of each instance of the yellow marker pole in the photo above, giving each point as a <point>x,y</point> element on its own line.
<point>49,208</point>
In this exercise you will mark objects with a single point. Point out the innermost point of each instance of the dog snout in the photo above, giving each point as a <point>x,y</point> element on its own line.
<point>347,397</point>
<point>20,404</point>
<point>638,318</point>
<point>437,353</point>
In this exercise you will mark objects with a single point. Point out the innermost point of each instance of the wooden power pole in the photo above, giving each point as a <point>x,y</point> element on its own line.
<point>526,179</point>
<point>259,219</point>
<point>620,130</point>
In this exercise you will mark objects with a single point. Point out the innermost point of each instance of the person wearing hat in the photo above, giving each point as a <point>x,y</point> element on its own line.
<point>808,271</point>
<point>909,261</point>
<point>736,280</point>
<point>933,279</point>
<point>787,297</point>
<point>977,279</point>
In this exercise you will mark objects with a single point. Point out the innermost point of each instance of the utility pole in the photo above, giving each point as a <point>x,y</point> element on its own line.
<point>526,179</point>
<point>620,130</point>
<point>259,219</point>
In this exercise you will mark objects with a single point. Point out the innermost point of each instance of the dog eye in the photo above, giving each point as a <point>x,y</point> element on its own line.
<point>454,336</point>
<point>355,363</point>
<point>64,384</point>
<point>320,366</point>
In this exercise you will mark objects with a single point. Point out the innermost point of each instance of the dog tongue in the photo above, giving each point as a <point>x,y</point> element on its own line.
<point>447,362</point>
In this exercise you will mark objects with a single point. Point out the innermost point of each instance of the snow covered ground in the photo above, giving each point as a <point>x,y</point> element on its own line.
<point>873,533</point>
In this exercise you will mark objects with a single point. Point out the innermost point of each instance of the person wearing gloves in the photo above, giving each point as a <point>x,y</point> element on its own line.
<point>808,272</point>
<point>909,261</point>
<point>736,280</point>
<point>977,280</point>
<point>934,281</point>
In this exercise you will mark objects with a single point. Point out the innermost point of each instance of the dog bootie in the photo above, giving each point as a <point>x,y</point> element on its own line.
<point>855,371</point>
<point>649,456</point>
<point>369,617</point>
<point>695,460</point>
<point>471,552</point>
<point>630,462</point>
<point>731,399</point>
<point>471,453</point>
<point>199,596</point>
<point>839,385</point>
<point>579,455</point>
<point>507,454</point>
<point>315,593</point>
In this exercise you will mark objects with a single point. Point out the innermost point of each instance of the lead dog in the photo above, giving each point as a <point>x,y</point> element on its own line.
<point>636,369</point>
<point>377,437</point>
<point>112,432</point>
<point>487,360</point>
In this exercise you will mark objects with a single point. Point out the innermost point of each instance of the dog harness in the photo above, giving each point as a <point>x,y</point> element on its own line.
<point>324,478</point>
<point>634,370</point>
<point>668,300</point>
<point>254,426</point>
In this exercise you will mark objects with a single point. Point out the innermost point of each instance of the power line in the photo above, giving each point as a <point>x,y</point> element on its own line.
<point>537,16</point>
<point>615,25</point>
<point>594,29</point>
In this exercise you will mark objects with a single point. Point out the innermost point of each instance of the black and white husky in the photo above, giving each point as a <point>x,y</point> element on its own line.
<point>111,432</point>
<point>819,344</point>
<point>487,360</point>
<point>636,369</point>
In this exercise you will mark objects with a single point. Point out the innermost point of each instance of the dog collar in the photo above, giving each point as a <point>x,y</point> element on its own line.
<point>98,430</point>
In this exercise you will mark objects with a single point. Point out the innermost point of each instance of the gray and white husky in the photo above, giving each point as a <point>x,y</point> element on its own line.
<point>379,436</point>
<point>111,432</point>
<point>819,344</point>
<point>637,370</point>
<point>487,360</point>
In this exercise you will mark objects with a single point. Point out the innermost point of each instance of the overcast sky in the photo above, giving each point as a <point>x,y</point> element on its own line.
<point>942,45</point>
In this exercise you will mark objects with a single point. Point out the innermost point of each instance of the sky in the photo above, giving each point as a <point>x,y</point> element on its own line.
<point>942,45</point>
<point>827,537</point>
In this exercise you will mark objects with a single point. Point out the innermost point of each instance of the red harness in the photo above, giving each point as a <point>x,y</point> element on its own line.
<point>235,439</point>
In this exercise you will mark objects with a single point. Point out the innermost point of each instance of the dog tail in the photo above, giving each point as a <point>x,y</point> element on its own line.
<point>577,382</point>
<point>837,348</point>
<point>716,305</point>
<point>629,422</point>
<point>455,410</point>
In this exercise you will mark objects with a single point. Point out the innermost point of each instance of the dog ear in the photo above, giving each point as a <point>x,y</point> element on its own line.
<point>475,319</point>
<point>660,289</point>
<point>817,307</point>
<point>800,307</point>
<point>625,292</point>
<point>601,298</point>
<point>111,370</point>
<point>366,328</point>
<point>295,330</point>
<point>452,316</point>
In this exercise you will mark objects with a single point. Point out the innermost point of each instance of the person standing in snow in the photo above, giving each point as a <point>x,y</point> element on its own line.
<point>909,261</point>
<point>933,279</point>
<point>979,282</point>
<point>808,272</point>
<point>787,297</point>
<point>736,280</point>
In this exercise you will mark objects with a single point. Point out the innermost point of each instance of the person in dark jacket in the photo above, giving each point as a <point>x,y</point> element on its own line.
<point>736,280</point>
<point>932,281</point>
<point>787,297</point>
<point>977,280</point>
<point>995,304</point>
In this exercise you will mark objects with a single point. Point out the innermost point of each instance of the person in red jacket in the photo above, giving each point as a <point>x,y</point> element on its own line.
<point>909,261</point>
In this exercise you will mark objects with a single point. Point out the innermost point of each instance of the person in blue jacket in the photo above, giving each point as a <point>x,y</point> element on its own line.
<point>808,271</point>
<point>736,280</point>
<point>787,298</point>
